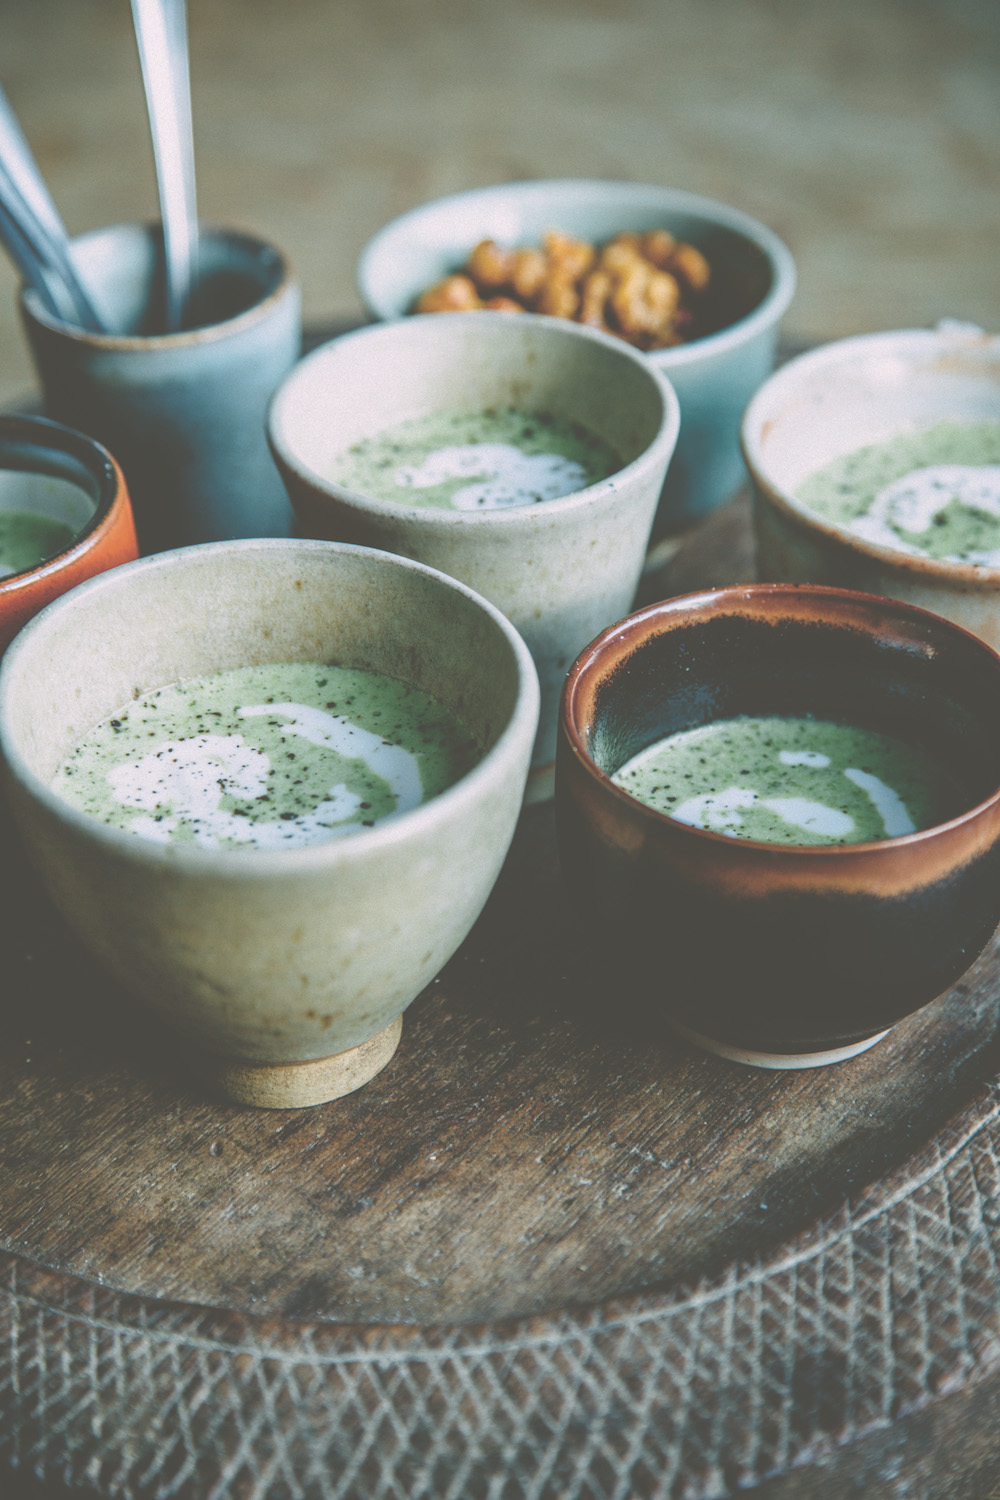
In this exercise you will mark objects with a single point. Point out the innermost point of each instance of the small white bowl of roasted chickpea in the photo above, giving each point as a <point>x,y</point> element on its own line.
<point>698,286</point>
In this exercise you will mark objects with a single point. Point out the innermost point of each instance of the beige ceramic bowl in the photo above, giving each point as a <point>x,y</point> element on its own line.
<point>561,570</point>
<point>846,396</point>
<point>288,968</point>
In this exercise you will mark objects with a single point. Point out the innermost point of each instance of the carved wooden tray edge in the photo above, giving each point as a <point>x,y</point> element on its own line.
<point>871,1313</point>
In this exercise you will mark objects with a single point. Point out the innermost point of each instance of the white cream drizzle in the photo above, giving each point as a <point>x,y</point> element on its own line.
<point>505,476</point>
<point>720,812</point>
<point>188,777</point>
<point>804,758</point>
<point>888,804</point>
<point>811,817</point>
<point>336,732</point>
<point>912,502</point>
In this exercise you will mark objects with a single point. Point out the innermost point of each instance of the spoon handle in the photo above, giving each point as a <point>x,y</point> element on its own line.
<point>20,163</point>
<point>161,36</point>
<point>27,261</point>
<point>37,226</point>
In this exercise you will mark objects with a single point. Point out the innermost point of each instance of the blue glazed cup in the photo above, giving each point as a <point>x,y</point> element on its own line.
<point>183,412</point>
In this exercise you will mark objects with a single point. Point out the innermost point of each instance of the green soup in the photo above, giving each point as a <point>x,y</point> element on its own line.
<point>934,493</point>
<point>477,460</point>
<point>267,757</point>
<point>793,781</point>
<point>27,539</point>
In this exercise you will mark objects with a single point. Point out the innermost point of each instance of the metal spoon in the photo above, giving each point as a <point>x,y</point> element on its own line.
<point>27,261</point>
<point>34,233</point>
<point>161,35</point>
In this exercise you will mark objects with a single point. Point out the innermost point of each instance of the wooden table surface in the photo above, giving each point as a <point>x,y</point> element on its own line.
<point>532,1172</point>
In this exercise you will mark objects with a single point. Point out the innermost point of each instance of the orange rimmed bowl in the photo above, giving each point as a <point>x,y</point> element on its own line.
<point>50,470</point>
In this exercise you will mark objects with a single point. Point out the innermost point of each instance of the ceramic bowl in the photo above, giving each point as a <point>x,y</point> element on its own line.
<point>182,412</point>
<point>714,377</point>
<point>560,570</point>
<point>780,955</point>
<point>288,969</point>
<point>845,396</point>
<point>49,471</point>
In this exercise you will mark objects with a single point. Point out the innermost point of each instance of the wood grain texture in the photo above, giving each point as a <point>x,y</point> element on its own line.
<point>703,1292</point>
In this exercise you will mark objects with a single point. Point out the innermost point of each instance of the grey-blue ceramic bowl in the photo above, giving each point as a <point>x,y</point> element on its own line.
<point>183,413</point>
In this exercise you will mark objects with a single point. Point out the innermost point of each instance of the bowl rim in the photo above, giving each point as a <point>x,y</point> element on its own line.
<point>251,864</point>
<point>112,495</point>
<point>591,664</point>
<point>671,200</point>
<point>759,412</point>
<point>432,518</point>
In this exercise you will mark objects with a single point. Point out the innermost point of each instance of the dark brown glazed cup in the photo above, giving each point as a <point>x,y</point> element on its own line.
<point>780,955</point>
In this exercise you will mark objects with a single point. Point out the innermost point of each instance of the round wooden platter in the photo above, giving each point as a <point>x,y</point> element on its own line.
<point>545,1252</point>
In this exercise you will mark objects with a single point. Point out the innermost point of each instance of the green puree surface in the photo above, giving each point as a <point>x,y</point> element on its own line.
<point>270,756</point>
<point>454,460</point>
<point>957,516</point>
<point>793,781</point>
<point>27,539</point>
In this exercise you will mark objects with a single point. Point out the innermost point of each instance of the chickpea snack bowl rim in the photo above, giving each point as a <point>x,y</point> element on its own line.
<point>441,232</point>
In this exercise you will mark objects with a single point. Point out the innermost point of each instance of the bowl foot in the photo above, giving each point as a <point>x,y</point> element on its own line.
<point>298,1085</point>
<point>776,1060</point>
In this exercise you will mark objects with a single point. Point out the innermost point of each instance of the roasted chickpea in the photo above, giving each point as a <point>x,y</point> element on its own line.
<point>568,258</point>
<point>621,256</point>
<point>645,300</point>
<point>558,298</point>
<point>593,300</point>
<point>490,267</point>
<point>528,273</point>
<point>453,294</point>
<point>691,266</point>
<point>658,245</point>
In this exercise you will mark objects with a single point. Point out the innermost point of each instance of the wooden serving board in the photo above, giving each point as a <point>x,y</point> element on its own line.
<point>540,1254</point>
